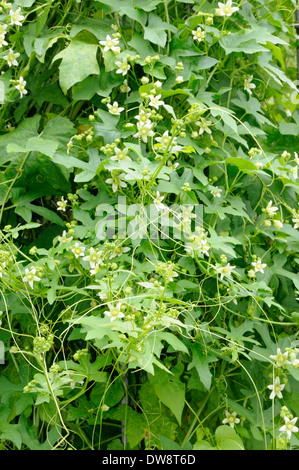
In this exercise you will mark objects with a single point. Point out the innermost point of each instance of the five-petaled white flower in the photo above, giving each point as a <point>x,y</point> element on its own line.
<point>120,155</point>
<point>116,181</point>
<point>204,126</point>
<point>114,312</point>
<point>259,266</point>
<point>21,87</point>
<point>62,204</point>
<point>78,250</point>
<point>11,57</point>
<point>248,86</point>
<point>63,238</point>
<point>231,418</point>
<point>280,358</point>
<point>199,34</point>
<point>30,277</point>
<point>271,210</point>
<point>165,140</point>
<point>289,426</point>
<point>114,108</point>
<point>94,258</point>
<point>276,388</point>
<point>144,131</point>
<point>216,192</point>
<point>15,17</point>
<point>226,9</point>
<point>225,270</point>
<point>110,44</point>
<point>123,67</point>
<point>155,101</point>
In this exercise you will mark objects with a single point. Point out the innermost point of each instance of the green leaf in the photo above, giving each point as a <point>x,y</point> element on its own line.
<point>227,439</point>
<point>155,30</point>
<point>79,60</point>
<point>170,390</point>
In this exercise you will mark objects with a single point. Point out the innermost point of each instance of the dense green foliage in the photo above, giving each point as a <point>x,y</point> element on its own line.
<point>149,225</point>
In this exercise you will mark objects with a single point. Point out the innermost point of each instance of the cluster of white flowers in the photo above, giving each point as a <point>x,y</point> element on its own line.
<point>144,126</point>
<point>16,19</point>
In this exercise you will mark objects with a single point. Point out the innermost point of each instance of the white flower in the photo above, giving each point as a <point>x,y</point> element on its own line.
<point>204,126</point>
<point>62,204</point>
<point>280,358</point>
<point>124,88</point>
<point>15,17</point>
<point>116,181</point>
<point>296,158</point>
<point>248,86</point>
<point>114,108</point>
<point>143,117</point>
<point>231,418</point>
<point>78,250</point>
<point>120,155</point>
<point>11,57</point>
<point>289,426</point>
<point>226,9</point>
<point>271,210</point>
<point>179,79</point>
<point>30,277</point>
<point>276,388</point>
<point>2,41</point>
<point>155,101</point>
<point>259,266</point>
<point>225,270</point>
<point>164,141</point>
<point>63,238</point>
<point>21,87</point>
<point>158,201</point>
<point>216,192</point>
<point>123,67</point>
<point>110,44</point>
<point>198,35</point>
<point>94,258</point>
<point>144,131</point>
<point>114,312</point>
